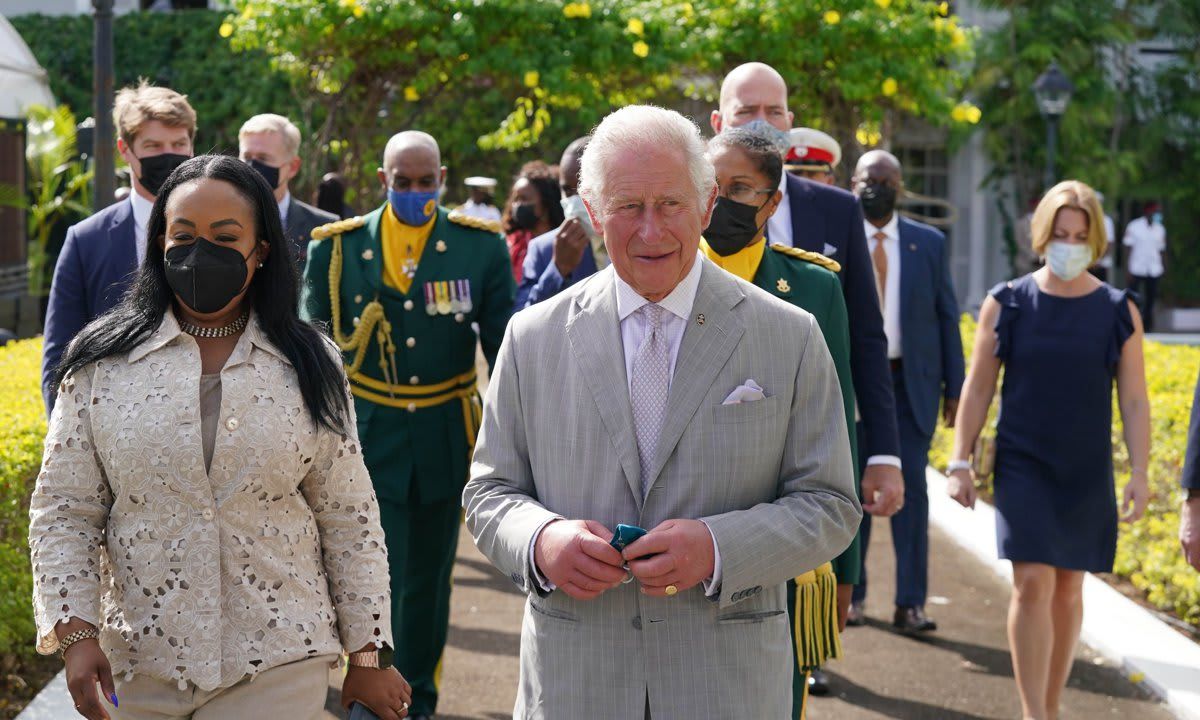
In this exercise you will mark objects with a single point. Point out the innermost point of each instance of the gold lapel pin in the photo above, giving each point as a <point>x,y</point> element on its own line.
<point>700,319</point>
<point>368,254</point>
<point>782,286</point>
<point>440,246</point>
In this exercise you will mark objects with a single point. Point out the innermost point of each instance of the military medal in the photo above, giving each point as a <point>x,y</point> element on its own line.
<point>442,293</point>
<point>455,305</point>
<point>464,295</point>
<point>430,303</point>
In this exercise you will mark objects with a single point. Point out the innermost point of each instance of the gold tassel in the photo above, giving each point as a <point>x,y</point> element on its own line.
<point>816,620</point>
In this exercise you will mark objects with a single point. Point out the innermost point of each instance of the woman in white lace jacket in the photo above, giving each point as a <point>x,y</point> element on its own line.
<point>203,517</point>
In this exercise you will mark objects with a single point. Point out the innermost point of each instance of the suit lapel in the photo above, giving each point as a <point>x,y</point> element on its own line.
<point>906,252</point>
<point>702,353</point>
<point>595,338</point>
<point>122,237</point>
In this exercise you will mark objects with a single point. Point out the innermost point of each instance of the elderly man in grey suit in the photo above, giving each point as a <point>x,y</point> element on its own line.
<point>665,393</point>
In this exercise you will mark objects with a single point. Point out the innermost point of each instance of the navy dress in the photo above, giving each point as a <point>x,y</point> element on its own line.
<point>1055,497</point>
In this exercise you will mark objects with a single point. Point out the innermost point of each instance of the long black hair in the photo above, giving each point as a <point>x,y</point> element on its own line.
<point>544,179</point>
<point>273,293</point>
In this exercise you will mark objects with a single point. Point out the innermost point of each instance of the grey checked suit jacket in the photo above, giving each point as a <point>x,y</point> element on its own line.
<point>772,479</point>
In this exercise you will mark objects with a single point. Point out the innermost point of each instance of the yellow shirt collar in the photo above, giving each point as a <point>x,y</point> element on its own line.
<point>743,263</point>
<point>402,247</point>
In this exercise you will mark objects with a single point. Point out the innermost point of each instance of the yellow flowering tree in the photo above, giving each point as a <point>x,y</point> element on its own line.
<point>852,68</point>
<point>488,79</point>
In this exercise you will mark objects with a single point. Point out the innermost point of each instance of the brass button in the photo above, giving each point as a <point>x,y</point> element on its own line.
<point>231,424</point>
<point>412,407</point>
<point>411,342</point>
<point>408,304</point>
<point>355,322</point>
<point>414,380</point>
<point>358,298</point>
<point>459,317</point>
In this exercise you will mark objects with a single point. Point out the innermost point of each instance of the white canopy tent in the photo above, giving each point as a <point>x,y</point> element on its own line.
<point>22,81</point>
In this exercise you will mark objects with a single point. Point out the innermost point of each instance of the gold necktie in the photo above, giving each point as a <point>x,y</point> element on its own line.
<point>880,261</point>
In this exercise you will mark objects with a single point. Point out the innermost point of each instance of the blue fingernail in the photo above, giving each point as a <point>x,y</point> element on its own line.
<point>113,697</point>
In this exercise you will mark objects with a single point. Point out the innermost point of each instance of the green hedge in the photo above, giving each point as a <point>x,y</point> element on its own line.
<point>181,50</point>
<point>1148,552</point>
<point>21,432</point>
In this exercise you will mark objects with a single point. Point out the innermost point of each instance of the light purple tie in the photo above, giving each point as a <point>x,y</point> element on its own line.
<point>648,389</point>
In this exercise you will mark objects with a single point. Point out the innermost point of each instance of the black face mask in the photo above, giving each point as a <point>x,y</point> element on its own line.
<point>269,173</point>
<point>206,276</point>
<point>157,168</point>
<point>878,201</point>
<point>732,226</point>
<point>525,216</point>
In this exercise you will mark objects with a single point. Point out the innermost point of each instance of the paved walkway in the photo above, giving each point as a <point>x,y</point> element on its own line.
<point>962,672</point>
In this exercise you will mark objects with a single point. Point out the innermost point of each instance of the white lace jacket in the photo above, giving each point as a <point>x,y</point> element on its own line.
<point>275,555</point>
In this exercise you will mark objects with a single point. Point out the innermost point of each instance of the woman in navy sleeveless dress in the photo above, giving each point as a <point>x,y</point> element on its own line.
<point>1063,338</point>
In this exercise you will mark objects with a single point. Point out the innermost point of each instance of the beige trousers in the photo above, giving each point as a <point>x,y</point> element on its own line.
<point>295,691</point>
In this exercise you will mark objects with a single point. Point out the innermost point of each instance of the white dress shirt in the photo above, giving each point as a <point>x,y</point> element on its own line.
<point>634,329</point>
<point>141,219</point>
<point>1147,242</point>
<point>284,205</point>
<point>779,225</point>
<point>891,289</point>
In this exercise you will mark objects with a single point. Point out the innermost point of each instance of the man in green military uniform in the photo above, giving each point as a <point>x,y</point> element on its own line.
<point>400,288</point>
<point>749,167</point>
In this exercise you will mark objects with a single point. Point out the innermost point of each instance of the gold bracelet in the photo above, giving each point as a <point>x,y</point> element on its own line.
<point>69,640</point>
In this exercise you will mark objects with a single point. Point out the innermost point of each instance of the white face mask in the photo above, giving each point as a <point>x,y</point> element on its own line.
<point>573,208</point>
<point>1068,260</point>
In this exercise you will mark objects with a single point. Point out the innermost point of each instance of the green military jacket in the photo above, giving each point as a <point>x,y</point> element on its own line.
<point>411,357</point>
<point>808,280</point>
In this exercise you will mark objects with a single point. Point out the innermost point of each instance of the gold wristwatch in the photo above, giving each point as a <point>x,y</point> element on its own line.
<point>379,659</point>
<point>71,639</point>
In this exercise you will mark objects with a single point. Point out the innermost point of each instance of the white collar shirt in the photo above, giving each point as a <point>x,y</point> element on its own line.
<point>634,326</point>
<point>284,205</point>
<point>779,225</point>
<point>891,290</point>
<point>1146,241</point>
<point>141,219</point>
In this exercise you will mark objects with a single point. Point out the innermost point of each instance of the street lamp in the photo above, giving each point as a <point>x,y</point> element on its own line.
<point>1053,92</point>
<point>102,92</point>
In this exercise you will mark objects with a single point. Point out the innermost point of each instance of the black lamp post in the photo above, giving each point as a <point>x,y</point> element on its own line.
<point>1053,92</point>
<point>102,92</point>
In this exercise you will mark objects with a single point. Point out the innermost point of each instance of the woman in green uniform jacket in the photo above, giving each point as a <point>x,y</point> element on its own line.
<point>749,168</point>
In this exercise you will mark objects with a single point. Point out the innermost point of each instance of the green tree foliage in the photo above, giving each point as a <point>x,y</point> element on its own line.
<point>1130,129</point>
<point>180,50</point>
<point>501,76</point>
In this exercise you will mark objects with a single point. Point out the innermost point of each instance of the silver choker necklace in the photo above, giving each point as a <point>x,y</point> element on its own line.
<point>232,328</point>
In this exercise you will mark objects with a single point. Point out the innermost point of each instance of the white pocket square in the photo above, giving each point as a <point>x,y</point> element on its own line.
<point>748,391</point>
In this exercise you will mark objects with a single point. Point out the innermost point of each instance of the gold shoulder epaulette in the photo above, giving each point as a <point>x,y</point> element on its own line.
<point>815,258</point>
<point>338,227</point>
<point>459,218</point>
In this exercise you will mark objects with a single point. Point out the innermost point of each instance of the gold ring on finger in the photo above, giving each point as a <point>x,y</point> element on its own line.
<point>670,590</point>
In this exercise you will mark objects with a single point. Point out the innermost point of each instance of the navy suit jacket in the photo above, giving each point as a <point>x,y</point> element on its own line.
<point>829,220</point>
<point>1191,466</point>
<point>540,279</point>
<point>930,340</point>
<point>96,266</point>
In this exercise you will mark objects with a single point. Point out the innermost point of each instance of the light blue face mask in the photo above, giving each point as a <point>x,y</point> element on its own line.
<point>1068,260</point>
<point>573,208</point>
<point>1157,218</point>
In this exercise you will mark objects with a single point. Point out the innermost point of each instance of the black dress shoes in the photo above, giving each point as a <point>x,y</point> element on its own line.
<point>912,620</point>
<point>818,682</point>
<point>857,615</point>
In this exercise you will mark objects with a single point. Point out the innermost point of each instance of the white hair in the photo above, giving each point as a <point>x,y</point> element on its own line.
<point>272,123</point>
<point>649,128</point>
